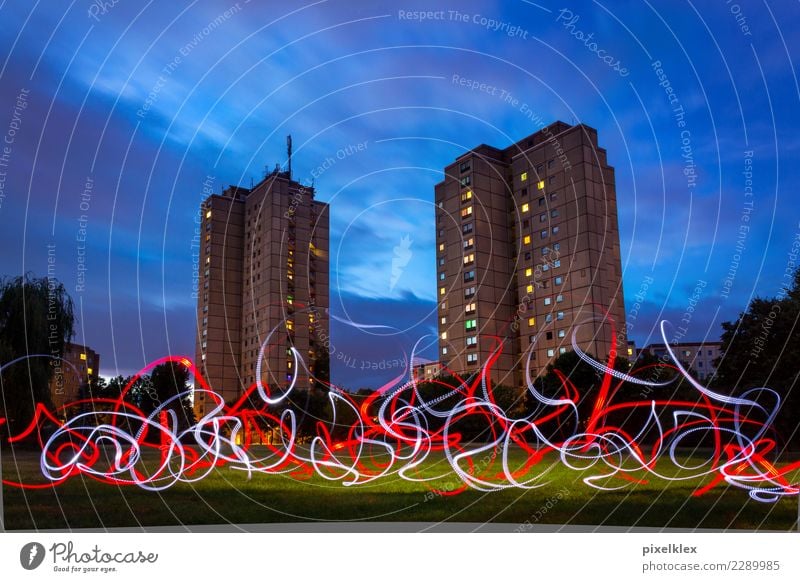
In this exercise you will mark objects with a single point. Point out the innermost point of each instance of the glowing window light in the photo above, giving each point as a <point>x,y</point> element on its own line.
<point>523,177</point>
<point>83,357</point>
<point>540,185</point>
<point>527,239</point>
<point>525,207</point>
<point>208,214</point>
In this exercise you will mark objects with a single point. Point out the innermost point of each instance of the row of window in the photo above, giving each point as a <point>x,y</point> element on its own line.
<point>526,239</point>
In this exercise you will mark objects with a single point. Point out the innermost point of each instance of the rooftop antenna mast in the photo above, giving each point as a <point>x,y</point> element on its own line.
<point>289,155</point>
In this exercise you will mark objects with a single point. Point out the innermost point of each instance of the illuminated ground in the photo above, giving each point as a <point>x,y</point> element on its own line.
<point>228,496</point>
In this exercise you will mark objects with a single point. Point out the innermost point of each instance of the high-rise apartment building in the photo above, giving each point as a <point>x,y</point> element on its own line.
<point>528,249</point>
<point>263,269</point>
<point>72,376</point>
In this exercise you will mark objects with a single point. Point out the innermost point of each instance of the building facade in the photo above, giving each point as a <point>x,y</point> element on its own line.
<point>699,356</point>
<point>528,252</point>
<point>264,278</point>
<point>426,371</point>
<point>71,376</point>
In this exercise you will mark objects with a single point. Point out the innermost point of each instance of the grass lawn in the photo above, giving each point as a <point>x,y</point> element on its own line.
<point>228,496</point>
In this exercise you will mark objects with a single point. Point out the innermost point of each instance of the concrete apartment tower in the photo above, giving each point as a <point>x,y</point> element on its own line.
<point>263,267</point>
<point>527,248</point>
<point>72,377</point>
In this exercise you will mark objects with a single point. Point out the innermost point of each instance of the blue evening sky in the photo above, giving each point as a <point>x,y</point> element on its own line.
<point>149,100</point>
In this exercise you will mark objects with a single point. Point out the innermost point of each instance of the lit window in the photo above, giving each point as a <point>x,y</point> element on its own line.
<point>630,351</point>
<point>444,320</point>
<point>559,298</point>
<point>208,214</point>
<point>531,321</point>
<point>528,272</point>
<point>556,263</point>
<point>527,239</point>
<point>469,243</point>
<point>560,315</point>
<point>561,333</point>
<point>562,350</point>
<point>559,280</point>
<point>525,207</point>
<point>472,358</point>
<point>548,318</point>
<point>540,185</point>
<point>523,177</point>
<point>547,301</point>
<point>444,351</point>
<point>466,196</point>
<point>88,370</point>
<point>470,308</point>
<point>83,357</point>
<point>441,290</point>
<point>529,289</point>
<point>472,340</point>
<point>444,335</point>
<point>469,259</point>
<point>441,247</point>
<point>555,230</point>
<point>550,353</point>
<point>471,324</point>
<point>469,292</point>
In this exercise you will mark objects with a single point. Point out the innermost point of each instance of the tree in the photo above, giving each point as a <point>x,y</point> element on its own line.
<point>169,380</point>
<point>762,348</point>
<point>583,375</point>
<point>36,319</point>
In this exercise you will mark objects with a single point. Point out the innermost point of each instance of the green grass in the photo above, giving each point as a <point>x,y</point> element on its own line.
<point>228,496</point>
